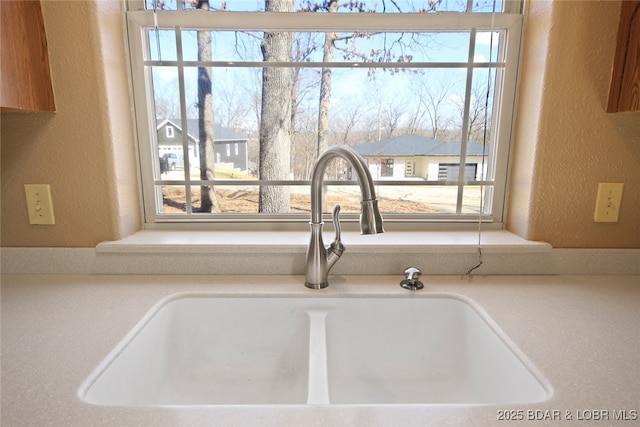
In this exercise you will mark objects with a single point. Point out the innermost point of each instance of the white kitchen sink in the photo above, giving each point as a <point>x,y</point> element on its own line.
<point>422,350</point>
<point>209,350</point>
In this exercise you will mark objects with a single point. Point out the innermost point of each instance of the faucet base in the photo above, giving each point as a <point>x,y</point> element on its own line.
<point>316,285</point>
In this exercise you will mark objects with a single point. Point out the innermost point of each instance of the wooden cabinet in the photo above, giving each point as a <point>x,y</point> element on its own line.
<point>25,82</point>
<point>625,83</point>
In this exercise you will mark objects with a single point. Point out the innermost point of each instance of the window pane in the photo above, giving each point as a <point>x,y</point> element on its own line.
<point>246,198</point>
<point>435,99</point>
<point>173,199</point>
<point>170,152</point>
<point>356,46</point>
<point>471,199</point>
<point>487,43</point>
<point>162,45</point>
<point>161,4</point>
<point>481,106</point>
<point>238,199</point>
<point>401,199</point>
<point>487,6</point>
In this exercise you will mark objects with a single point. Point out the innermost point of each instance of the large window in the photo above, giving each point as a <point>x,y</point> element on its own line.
<point>410,85</point>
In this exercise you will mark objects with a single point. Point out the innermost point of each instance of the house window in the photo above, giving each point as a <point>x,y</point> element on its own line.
<point>386,167</point>
<point>169,130</point>
<point>302,78</point>
<point>235,148</point>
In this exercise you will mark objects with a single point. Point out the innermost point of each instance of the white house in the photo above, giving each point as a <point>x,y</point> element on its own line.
<point>416,156</point>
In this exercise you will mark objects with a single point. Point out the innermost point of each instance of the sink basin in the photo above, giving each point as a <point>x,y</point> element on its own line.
<point>192,351</point>
<point>209,350</point>
<point>422,350</point>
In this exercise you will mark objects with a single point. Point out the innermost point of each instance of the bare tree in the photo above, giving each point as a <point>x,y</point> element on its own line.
<point>325,83</point>
<point>166,104</point>
<point>478,113</point>
<point>275,122</point>
<point>391,118</point>
<point>304,154</point>
<point>208,199</point>
<point>347,121</point>
<point>232,109</point>
<point>434,92</point>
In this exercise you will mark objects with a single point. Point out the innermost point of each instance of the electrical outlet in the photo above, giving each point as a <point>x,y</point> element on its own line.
<point>608,202</point>
<point>39,203</point>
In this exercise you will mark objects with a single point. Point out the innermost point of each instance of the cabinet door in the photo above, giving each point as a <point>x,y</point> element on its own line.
<point>625,84</point>
<point>25,83</point>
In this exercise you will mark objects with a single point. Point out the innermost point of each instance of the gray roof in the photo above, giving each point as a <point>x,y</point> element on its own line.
<point>220,133</point>
<point>417,145</point>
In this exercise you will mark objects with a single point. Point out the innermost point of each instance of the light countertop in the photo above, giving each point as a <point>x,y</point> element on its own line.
<point>582,333</point>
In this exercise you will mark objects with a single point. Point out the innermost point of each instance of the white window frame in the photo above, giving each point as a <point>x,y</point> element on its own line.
<point>503,114</point>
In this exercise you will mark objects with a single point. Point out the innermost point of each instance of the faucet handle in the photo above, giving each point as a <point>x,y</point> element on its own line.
<point>411,282</point>
<point>337,245</point>
<point>412,273</point>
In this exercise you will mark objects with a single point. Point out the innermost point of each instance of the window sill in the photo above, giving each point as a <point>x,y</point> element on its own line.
<point>239,242</point>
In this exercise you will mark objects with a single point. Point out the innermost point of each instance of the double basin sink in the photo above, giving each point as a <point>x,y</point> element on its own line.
<point>201,349</point>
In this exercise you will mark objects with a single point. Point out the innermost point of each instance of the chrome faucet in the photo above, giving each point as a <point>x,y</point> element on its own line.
<point>320,259</point>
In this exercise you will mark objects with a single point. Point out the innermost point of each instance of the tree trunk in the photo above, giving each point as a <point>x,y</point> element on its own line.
<point>275,123</point>
<point>208,198</point>
<point>325,86</point>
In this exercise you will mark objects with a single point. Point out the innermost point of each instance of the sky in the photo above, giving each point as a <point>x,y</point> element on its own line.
<point>351,87</point>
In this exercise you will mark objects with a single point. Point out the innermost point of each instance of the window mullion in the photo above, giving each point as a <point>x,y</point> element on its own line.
<point>183,121</point>
<point>260,64</point>
<point>465,121</point>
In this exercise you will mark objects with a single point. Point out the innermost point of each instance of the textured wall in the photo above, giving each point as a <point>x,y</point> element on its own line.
<point>563,128</point>
<point>75,149</point>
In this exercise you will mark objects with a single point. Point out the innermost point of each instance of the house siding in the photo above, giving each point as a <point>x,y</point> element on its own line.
<point>425,167</point>
<point>235,159</point>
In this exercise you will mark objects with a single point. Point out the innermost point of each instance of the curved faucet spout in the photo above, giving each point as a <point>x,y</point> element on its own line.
<point>370,218</point>
<point>319,259</point>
